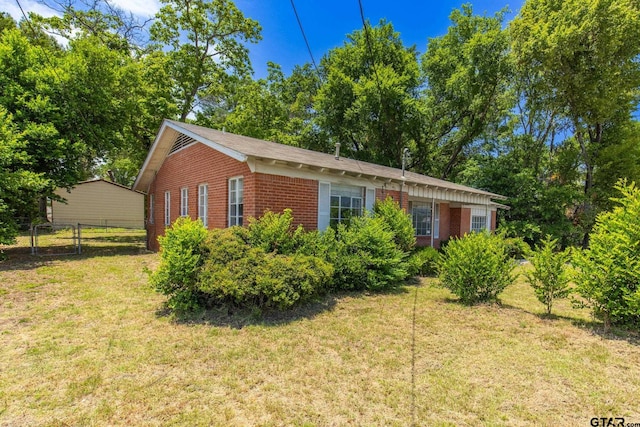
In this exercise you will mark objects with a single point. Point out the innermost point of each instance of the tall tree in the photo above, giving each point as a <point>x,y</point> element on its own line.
<point>19,185</point>
<point>467,72</point>
<point>586,54</point>
<point>206,40</point>
<point>369,100</point>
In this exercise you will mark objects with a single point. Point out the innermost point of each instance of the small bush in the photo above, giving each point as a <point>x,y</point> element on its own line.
<point>422,261</point>
<point>549,278</point>
<point>517,248</point>
<point>476,267</point>
<point>398,221</point>
<point>608,273</point>
<point>181,257</point>
<point>364,255</point>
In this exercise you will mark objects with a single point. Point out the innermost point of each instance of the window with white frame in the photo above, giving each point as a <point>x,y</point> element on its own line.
<point>346,202</point>
<point>236,202</point>
<point>151,206</point>
<point>184,201</point>
<point>203,203</point>
<point>479,219</point>
<point>421,218</point>
<point>167,207</point>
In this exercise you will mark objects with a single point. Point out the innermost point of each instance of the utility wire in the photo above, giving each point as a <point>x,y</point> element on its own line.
<point>304,36</point>
<point>366,27</point>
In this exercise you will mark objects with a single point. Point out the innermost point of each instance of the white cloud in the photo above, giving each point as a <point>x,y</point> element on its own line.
<point>11,7</point>
<point>142,8</point>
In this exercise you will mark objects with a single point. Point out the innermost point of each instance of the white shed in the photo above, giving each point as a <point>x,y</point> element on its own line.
<point>100,203</point>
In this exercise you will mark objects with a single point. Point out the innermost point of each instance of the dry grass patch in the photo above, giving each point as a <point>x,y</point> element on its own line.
<point>85,341</point>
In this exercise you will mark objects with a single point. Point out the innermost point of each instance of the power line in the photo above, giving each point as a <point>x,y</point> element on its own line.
<point>313,61</point>
<point>365,27</point>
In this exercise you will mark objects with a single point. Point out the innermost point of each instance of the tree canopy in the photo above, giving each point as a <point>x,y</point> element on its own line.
<point>539,109</point>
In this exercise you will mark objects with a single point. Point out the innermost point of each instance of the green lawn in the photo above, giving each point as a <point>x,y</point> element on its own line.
<point>85,341</point>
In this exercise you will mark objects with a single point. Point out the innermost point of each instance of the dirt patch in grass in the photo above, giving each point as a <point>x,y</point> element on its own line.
<point>85,341</point>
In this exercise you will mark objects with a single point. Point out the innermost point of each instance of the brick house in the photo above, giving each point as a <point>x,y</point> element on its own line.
<point>223,179</point>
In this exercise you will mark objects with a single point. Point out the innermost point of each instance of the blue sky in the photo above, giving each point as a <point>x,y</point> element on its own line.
<point>327,23</point>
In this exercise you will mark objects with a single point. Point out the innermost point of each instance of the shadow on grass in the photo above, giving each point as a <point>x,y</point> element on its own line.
<point>238,318</point>
<point>20,257</point>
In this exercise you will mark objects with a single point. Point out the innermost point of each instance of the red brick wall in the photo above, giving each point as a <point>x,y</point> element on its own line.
<point>454,221</point>
<point>190,167</point>
<point>276,193</point>
<point>445,223</point>
<point>465,221</point>
<point>395,195</point>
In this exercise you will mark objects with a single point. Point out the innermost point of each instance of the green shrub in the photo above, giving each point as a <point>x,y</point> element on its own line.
<point>422,261</point>
<point>238,274</point>
<point>274,232</point>
<point>517,248</point>
<point>398,221</point>
<point>549,278</point>
<point>476,267</point>
<point>181,257</point>
<point>608,273</point>
<point>364,255</point>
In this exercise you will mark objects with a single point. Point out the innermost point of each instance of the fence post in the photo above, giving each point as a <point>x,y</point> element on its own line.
<point>79,239</point>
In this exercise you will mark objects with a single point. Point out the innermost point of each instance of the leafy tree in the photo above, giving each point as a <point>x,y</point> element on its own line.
<point>608,273</point>
<point>467,73</point>
<point>585,54</point>
<point>368,102</point>
<point>18,184</point>
<point>549,277</point>
<point>205,40</point>
<point>276,108</point>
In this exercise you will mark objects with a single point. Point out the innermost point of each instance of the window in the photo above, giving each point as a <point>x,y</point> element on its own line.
<point>236,206</point>
<point>478,219</point>
<point>346,201</point>
<point>151,205</point>
<point>478,223</point>
<point>184,201</point>
<point>421,216</point>
<point>167,207</point>
<point>202,203</point>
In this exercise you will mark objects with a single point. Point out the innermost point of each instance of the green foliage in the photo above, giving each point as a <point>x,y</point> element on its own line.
<point>181,258</point>
<point>364,255</point>
<point>273,232</point>
<point>423,261</point>
<point>397,221</point>
<point>467,72</point>
<point>18,183</point>
<point>239,274</point>
<point>476,267</point>
<point>549,277</point>
<point>608,273</point>
<point>368,100</point>
<point>516,247</point>
<point>204,41</point>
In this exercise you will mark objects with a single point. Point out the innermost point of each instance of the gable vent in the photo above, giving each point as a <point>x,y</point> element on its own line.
<point>182,141</point>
